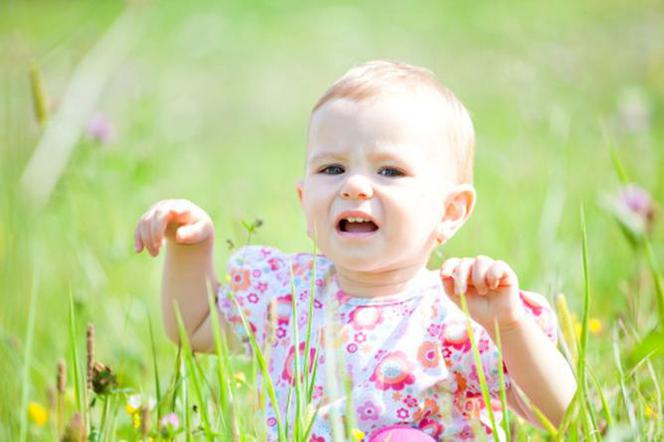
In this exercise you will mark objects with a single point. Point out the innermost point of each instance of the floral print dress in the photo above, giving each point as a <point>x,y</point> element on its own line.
<point>408,355</point>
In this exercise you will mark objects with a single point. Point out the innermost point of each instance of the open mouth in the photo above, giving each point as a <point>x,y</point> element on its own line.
<point>356,225</point>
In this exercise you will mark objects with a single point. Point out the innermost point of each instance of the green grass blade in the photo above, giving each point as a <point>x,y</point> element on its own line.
<point>541,417</point>
<point>605,404</point>
<point>309,382</point>
<point>265,372</point>
<point>25,375</point>
<point>583,344</point>
<point>617,164</point>
<point>184,378</point>
<point>501,379</point>
<point>74,355</point>
<point>191,371</point>
<point>299,398</point>
<point>310,424</point>
<point>223,372</point>
<point>629,406</point>
<point>480,368</point>
<point>657,278</point>
<point>155,367</point>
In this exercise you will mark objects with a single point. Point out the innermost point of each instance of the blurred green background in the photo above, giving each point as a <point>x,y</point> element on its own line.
<point>210,100</point>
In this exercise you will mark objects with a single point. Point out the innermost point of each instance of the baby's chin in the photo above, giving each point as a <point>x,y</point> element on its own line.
<point>360,261</point>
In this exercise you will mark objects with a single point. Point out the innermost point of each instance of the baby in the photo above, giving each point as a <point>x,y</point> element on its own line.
<point>388,178</point>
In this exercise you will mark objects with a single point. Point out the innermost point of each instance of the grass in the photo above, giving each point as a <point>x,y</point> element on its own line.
<point>211,104</point>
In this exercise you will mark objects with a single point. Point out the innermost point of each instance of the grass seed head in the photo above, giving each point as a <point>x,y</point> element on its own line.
<point>61,380</point>
<point>75,430</point>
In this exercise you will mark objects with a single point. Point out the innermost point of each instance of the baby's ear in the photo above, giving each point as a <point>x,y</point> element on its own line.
<point>458,207</point>
<point>299,187</point>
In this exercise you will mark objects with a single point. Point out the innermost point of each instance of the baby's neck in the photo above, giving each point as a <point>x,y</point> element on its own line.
<point>382,283</point>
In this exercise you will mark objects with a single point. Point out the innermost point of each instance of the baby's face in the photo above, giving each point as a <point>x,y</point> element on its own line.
<point>386,162</point>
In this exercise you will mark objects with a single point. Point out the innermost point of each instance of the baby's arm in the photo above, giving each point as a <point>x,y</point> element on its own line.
<point>533,361</point>
<point>538,368</point>
<point>188,270</point>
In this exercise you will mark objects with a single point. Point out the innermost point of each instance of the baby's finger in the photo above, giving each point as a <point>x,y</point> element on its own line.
<point>448,286</point>
<point>146,237</point>
<point>461,275</point>
<point>447,269</point>
<point>479,273</point>
<point>192,233</point>
<point>158,226</point>
<point>138,244</point>
<point>500,274</point>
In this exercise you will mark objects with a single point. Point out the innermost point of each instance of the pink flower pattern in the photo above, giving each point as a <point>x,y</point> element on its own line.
<point>368,411</point>
<point>404,355</point>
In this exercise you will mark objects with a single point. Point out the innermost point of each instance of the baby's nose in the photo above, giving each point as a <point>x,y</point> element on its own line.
<point>356,187</point>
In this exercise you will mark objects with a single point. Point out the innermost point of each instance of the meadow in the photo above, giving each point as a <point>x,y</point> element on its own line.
<point>107,107</point>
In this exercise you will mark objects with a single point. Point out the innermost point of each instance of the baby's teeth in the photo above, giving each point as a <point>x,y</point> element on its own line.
<point>352,219</point>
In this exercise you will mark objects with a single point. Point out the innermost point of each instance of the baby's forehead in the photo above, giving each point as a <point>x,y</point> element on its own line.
<point>409,120</point>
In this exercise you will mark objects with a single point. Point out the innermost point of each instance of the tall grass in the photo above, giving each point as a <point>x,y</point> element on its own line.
<point>179,119</point>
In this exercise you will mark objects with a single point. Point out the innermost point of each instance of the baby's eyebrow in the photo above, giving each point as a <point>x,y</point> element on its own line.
<point>326,156</point>
<point>374,156</point>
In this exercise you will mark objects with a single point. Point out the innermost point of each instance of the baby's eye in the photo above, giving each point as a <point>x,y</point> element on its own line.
<point>332,170</point>
<point>390,172</point>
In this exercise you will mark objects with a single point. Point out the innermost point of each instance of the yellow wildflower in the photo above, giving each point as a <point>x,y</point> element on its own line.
<point>240,379</point>
<point>649,412</point>
<point>357,434</point>
<point>136,420</point>
<point>133,404</point>
<point>38,413</point>
<point>594,327</point>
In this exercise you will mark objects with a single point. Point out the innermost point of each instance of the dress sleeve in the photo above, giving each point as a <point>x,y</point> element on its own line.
<point>255,276</point>
<point>539,309</point>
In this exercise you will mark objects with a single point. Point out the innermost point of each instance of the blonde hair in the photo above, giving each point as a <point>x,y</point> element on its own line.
<point>375,78</point>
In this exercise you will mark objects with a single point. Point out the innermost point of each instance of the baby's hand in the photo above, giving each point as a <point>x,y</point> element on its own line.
<point>491,288</point>
<point>176,220</point>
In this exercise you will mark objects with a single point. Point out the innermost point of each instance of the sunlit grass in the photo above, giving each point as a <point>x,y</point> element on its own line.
<point>212,105</point>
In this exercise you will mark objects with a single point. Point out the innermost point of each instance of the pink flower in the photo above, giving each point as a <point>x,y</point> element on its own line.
<point>434,330</point>
<point>394,372</point>
<point>402,413</point>
<point>240,280</point>
<point>274,263</point>
<point>431,427</point>
<point>634,210</point>
<point>368,411</point>
<point>169,424</point>
<point>253,298</point>
<point>428,354</point>
<point>288,372</point>
<point>455,335</point>
<point>101,129</point>
<point>410,401</point>
<point>638,201</point>
<point>365,317</point>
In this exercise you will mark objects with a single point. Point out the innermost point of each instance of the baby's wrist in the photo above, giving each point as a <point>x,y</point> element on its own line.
<point>508,326</point>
